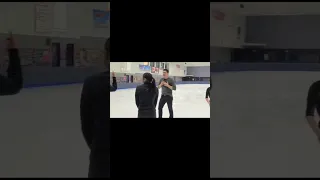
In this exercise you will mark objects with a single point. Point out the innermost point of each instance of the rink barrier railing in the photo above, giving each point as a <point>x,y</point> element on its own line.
<point>229,67</point>
<point>120,85</point>
<point>134,85</point>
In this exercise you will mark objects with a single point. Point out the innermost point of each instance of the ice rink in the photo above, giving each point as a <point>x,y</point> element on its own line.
<point>258,128</point>
<point>188,102</point>
<point>40,134</point>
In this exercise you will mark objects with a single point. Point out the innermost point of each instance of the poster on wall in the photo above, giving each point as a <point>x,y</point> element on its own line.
<point>218,15</point>
<point>101,18</point>
<point>43,15</point>
<point>144,68</point>
<point>157,70</point>
<point>153,70</point>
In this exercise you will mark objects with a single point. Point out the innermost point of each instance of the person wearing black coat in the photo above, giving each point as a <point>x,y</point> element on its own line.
<point>208,93</point>
<point>146,97</point>
<point>13,82</point>
<point>95,119</point>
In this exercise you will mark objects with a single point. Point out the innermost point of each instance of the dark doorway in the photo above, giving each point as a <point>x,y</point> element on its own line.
<point>56,54</point>
<point>131,78</point>
<point>128,78</point>
<point>70,55</point>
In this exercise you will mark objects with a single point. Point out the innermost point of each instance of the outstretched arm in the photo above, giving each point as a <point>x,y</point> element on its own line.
<point>208,93</point>
<point>114,86</point>
<point>12,84</point>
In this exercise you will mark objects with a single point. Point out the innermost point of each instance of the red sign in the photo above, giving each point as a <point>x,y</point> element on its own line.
<point>218,15</point>
<point>153,70</point>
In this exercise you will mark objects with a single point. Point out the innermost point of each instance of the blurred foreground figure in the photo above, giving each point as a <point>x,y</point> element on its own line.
<point>13,82</point>
<point>95,119</point>
<point>313,104</point>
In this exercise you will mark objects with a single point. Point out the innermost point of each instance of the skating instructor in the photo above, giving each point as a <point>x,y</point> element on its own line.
<point>13,82</point>
<point>167,85</point>
<point>95,119</point>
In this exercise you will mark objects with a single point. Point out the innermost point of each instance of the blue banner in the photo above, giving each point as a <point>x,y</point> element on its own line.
<point>144,68</point>
<point>101,18</point>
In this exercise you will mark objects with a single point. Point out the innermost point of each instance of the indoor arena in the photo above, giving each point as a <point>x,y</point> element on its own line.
<point>264,56</point>
<point>59,44</point>
<point>189,99</point>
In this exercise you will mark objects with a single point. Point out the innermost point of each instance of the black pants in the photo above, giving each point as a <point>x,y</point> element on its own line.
<point>99,164</point>
<point>147,113</point>
<point>163,101</point>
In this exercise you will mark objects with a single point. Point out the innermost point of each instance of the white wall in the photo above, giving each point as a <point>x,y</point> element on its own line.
<point>19,17</point>
<point>190,64</point>
<point>115,66</point>
<point>224,33</point>
<point>125,67</point>
<point>174,71</point>
<point>133,67</point>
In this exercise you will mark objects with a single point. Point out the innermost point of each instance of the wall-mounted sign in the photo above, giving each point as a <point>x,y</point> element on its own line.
<point>218,15</point>
<point>144,68</point>
<point>43,17</point>
<point>101,18</point>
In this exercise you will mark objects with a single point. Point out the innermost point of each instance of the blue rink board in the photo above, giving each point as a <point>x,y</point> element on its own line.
<point>264,67</point>
<point>120,85</point>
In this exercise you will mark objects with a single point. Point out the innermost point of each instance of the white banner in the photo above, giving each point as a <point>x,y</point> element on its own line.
<point>43,17</point>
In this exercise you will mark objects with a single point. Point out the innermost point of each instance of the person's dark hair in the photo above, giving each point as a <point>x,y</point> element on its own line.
<point>150,81</point>
<point>166,70</point>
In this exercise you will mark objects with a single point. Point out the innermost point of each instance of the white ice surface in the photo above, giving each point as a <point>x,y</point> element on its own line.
<point>188,102</point>
<point>40,134</point>
<point>258,128</point>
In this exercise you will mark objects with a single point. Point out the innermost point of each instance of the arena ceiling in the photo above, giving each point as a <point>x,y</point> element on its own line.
<point>269,8</point>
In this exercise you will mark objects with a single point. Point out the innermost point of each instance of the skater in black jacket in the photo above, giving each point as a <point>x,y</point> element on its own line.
<point>95,119</point>
<point>208,94</point>
<point>13,82</point>
<point>147,97</point>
